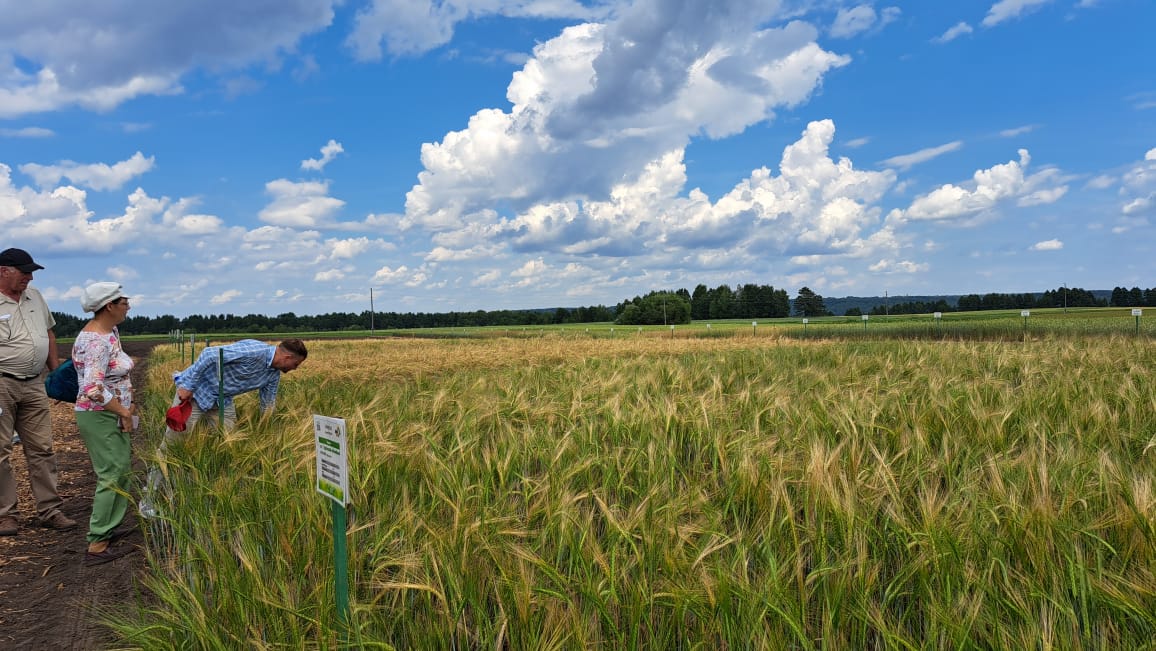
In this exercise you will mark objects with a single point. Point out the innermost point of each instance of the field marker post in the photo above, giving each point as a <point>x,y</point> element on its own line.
<point>754,328</point>
<point>1136,312</point>
<point>672,332</point>
<point>804,326</point>
<point>333,482</point>
<point>1025,314</point>
<point>938,318</point>
<point>865,316</point>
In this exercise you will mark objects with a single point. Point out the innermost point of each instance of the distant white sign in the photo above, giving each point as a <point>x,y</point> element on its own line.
<point>1137,312</point>
<point>332,458</point>
<point>865,317</point>
<point>938,315</point>
<point>1025,313</point>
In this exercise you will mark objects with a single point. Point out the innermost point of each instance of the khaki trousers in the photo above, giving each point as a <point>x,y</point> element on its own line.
<point>26,411</point>
<point>196,415</point>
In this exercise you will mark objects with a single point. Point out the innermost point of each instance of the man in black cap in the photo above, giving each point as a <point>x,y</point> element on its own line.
<point>27,345</point>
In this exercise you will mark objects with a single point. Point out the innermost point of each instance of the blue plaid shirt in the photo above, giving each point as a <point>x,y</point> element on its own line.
<point>248,366</point>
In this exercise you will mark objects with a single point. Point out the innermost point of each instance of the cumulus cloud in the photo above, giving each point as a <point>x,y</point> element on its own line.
<point>988,188</point>
<point>599,102</point>
<point>226,296</point>
<point>887,266</point>
<point>392,276</point>
<point>856,20</point>
<point>105,54</point>
<point>954,32</point>
<point>59,219</point>
<point>1005,10</point>
<point>404,27</point>
<point>1047,245</point>
<point>328,153</point>
<point>814,206</point>
<point>95,176</point>
<point>305,204</point>
<point>906,161</point>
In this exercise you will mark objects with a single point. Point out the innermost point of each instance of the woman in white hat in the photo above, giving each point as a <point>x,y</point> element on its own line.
<point>104,415</point>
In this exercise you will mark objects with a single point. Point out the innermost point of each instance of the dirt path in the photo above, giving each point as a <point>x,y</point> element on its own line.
<point>47,594</point>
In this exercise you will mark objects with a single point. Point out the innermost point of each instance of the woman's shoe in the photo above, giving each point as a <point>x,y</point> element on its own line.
<point>110,553</point>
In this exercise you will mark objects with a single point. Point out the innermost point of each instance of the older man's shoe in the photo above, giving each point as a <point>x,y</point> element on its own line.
<point>58,521</point>
<point>9,526</point>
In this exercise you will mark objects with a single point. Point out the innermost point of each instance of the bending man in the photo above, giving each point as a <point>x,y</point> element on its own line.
<point>248,365</point>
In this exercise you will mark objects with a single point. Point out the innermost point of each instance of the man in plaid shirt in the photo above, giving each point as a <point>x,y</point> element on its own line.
<point>247,365</point>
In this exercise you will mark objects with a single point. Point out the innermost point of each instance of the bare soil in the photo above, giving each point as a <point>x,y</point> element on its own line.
<point>48,597</point>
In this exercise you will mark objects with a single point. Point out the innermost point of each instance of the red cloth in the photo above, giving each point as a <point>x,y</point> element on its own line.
<point>178,415</point>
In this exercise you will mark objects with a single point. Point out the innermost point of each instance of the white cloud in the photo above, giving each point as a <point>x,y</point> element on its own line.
<point>887,266</point>
<point>27,132</point>
<point>857,142</point>
<point>121,273</point>
<point>852,21</point>
<point>1047,245</point>
<point>599,102</point>
<point>814,206</point>
<point>906,161</point>
<point>305,204</point>
<point>103,54</point>
<point>856,20</point>
<point>989,188</point>
<point>226,296</point>
<point>1005,10</point>
<point>328,153</point>
<point>1151,154</point>
<point>1017,131</point>
<point>95,176</point>
<point>59,219</point>
<point>329,275</point>
<point>389,276</point>
<point>405,27</point>
<point>1101,182</point>
<point>954,32</point>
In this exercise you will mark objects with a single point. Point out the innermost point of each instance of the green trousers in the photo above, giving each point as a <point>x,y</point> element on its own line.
<point>111,454</point>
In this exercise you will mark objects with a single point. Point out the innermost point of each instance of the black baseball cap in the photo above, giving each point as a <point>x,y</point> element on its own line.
<point>20,259</point>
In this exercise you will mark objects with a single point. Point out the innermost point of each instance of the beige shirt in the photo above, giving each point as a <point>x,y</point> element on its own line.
<point>24,333</point>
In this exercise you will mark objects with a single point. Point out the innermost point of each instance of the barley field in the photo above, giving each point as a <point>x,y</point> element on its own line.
<point>762,492</point>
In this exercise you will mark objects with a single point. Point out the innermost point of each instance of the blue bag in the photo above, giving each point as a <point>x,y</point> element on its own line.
<point>62,383</point>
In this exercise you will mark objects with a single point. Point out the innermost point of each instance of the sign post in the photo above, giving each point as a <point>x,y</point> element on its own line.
<point>333,482</point>
<point>1136,312</point>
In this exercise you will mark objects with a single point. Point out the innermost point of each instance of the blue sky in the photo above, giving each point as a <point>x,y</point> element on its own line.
<point>291,155</point>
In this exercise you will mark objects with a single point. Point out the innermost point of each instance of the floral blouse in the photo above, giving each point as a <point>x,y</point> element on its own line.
<point>103,370</point>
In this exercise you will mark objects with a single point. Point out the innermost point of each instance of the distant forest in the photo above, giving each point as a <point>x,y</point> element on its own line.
<point>749,301</point>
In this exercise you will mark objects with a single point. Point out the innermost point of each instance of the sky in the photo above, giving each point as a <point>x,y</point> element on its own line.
<point>314,156</point>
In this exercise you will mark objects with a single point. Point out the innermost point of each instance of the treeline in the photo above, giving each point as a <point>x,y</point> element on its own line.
<point>748,301</point>
<point>1059,297</point>
<point>68,325</point>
